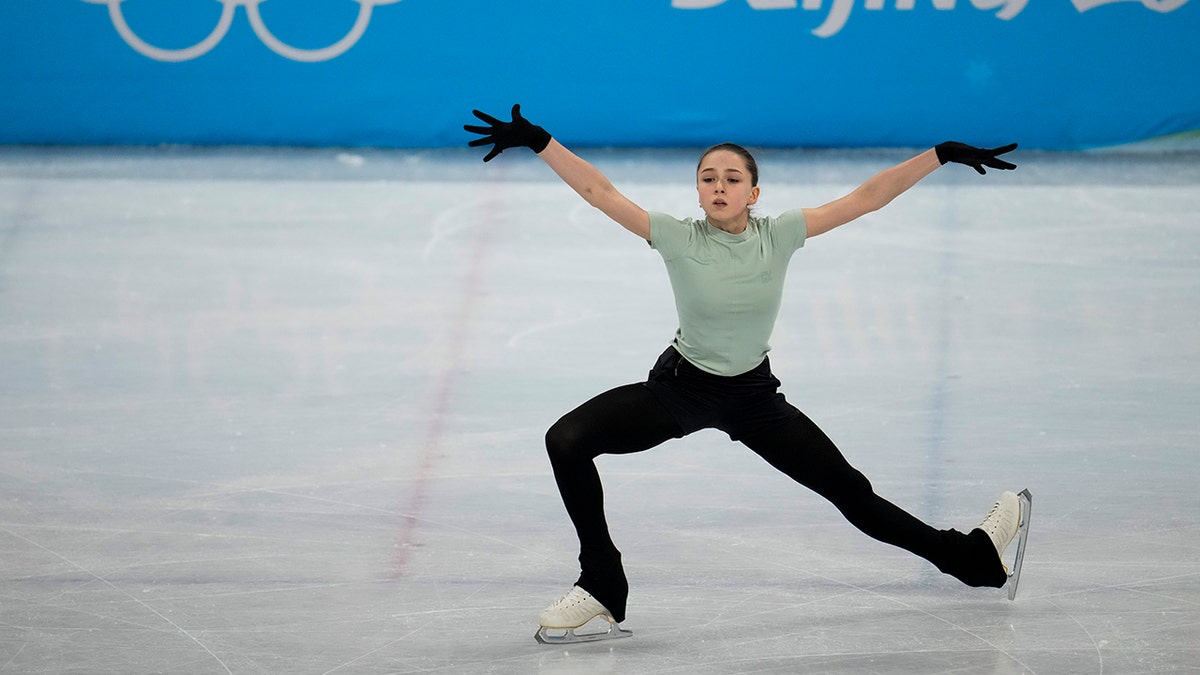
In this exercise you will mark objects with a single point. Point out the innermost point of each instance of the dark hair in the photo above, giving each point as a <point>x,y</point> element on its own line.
<point>751,165</point>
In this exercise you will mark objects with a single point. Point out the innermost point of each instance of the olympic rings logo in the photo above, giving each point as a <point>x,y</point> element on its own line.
<point>229,7</point>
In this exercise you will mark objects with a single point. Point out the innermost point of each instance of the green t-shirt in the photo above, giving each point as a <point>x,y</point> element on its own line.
<point>727,287</point>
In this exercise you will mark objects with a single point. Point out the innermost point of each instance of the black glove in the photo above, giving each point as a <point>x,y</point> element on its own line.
<point>519,133</point>
<point>953,151</point>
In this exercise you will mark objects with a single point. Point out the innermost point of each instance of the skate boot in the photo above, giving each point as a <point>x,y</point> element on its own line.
<point>1001,522</point>
<point>1009,518</point>
<point>560,621</point>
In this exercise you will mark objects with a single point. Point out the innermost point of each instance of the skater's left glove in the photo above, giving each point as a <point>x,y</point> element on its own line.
<point>977,158</point>
<point>519,133</point>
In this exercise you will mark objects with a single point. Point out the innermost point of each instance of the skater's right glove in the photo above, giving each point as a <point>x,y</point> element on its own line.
<point>519,133</point>
<point>977,158</point>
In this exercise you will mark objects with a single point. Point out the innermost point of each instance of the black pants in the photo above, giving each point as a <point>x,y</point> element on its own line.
<point>678,399</point>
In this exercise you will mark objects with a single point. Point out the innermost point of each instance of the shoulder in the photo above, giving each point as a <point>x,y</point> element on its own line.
<point>788,229</point>
<point>667,220</point>
<point>671,236</point>
<point>789,218</point>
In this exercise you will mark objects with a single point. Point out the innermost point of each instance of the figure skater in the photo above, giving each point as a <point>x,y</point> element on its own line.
<point>727,271</point>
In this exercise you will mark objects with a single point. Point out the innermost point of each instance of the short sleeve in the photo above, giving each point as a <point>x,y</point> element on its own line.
<point>669,235</point>
<point>791,230</point>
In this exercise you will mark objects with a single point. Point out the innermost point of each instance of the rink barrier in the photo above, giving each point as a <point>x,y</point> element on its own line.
<point>1053,74</point>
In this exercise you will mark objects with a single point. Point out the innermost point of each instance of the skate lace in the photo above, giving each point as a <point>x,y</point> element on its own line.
<point>575,596</point>
<point>992,521</point>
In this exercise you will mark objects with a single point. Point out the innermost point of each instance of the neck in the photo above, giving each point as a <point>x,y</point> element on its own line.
<point>734,226</point>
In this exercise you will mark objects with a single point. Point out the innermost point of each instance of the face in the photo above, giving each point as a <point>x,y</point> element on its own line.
<point>723,183</point>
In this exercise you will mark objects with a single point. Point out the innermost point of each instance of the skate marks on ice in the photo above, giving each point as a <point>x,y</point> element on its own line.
<point>841,619</point>
<point>114,587</point>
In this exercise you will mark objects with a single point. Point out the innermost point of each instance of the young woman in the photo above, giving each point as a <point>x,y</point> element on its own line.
<point>727,271</point>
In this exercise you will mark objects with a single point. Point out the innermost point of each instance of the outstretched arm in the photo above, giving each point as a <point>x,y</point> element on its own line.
<point>576,172</point>
<point>596,189</point>
<point>890,183</point>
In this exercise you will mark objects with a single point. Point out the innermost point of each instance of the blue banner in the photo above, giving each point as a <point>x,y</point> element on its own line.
<point>1052,74</point>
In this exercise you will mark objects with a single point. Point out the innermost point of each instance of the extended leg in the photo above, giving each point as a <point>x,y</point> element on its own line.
<point>803,452</point>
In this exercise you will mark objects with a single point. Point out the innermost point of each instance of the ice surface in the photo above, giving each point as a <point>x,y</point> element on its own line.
<point>281,411</point>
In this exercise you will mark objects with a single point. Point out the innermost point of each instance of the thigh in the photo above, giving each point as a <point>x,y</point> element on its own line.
<point>801,450</point>
<point>622,420</point>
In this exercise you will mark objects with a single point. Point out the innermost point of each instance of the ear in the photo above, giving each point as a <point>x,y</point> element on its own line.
<point>753,196</point>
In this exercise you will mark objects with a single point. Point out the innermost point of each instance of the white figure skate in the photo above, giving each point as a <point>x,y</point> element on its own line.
<point>560,621</point>
<point>1008,520</point>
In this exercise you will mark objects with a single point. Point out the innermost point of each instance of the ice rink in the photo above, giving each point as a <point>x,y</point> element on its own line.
<point>281,411</point>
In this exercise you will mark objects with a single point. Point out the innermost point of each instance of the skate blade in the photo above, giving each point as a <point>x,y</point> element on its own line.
<point>1014,577</point>
<point>569,636</point>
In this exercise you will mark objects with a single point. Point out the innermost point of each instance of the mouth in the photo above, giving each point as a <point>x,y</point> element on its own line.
<point>719,202</point>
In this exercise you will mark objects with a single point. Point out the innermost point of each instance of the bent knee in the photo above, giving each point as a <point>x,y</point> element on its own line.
<point>565,441</point>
